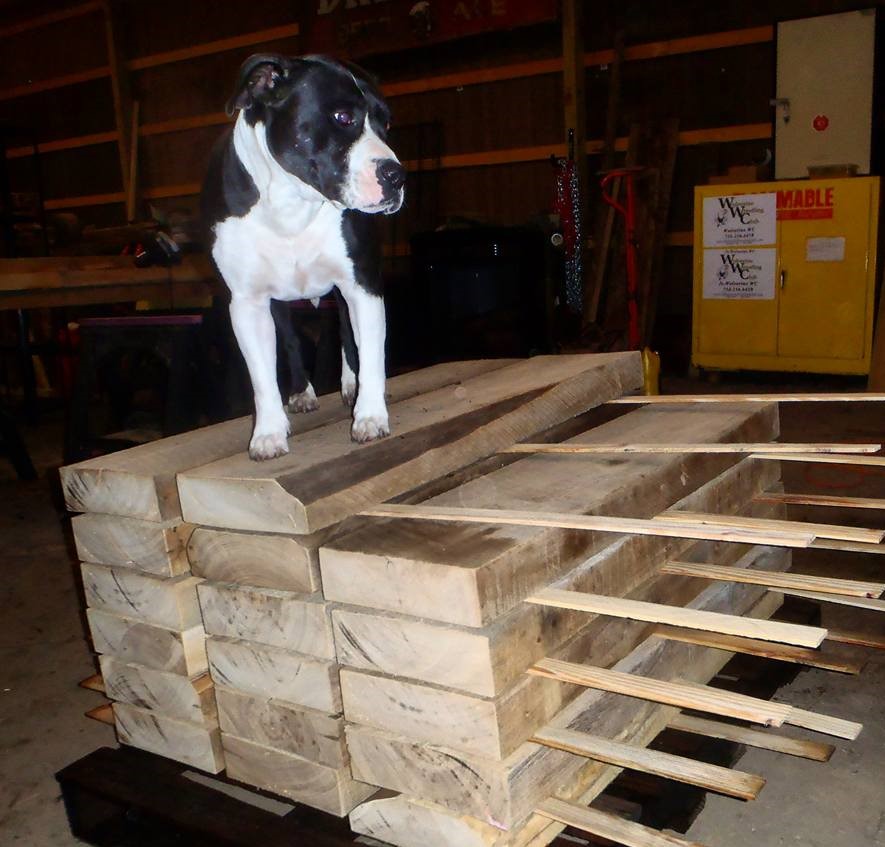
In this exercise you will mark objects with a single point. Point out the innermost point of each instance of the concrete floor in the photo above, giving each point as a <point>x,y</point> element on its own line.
<point>44,654</point>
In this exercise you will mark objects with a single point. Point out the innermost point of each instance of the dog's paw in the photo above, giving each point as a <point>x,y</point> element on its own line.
<point>369,428</point>
<point>348,394</point>
<point>306,401</point>
<point>268,446</point>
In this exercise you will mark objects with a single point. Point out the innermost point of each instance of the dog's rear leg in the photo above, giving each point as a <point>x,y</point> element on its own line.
<point>349,356</point>
<point>302,397</point>
<point>254,329</point>
<point>369,329</point>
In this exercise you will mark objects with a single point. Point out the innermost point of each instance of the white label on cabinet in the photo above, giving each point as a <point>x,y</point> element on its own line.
<point>739,274</point>
<point>825,249</point>
<point>740,220</point>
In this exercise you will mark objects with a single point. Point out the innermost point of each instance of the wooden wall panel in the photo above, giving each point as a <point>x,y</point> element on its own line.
<point>177,158</point>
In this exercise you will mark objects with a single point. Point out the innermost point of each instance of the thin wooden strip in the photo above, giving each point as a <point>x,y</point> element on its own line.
<point>745,786</point>
<point>609,826</point>
<point>841,599</point>
<point>49,18</point>
<point>848,546</point>
<point>872,461</point>
<point>757,647</point>
<point>639,610</point>
<point>819,530</point>
<point>826,724</point>
<point>63,144</point>
<point>835,397</point>
<point>732,447</point>
<point>823,500</point>
<point>753,737</point>
<point>683,695</point>
<point>93,683</point>
<point>598,523</point>
<point>55,82</point>
<point>828,585</point>
<point>863,639</point>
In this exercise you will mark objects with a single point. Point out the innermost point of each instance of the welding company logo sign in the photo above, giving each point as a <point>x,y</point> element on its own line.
<point>804,204</point>
<point>746,274</point>
<point>739,220</point>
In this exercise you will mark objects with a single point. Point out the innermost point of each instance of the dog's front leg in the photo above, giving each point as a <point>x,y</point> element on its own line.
<point>369,329</point>
<point>254,329</point>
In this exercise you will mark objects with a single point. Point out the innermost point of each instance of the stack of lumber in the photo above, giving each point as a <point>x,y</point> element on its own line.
<point>146,626</point>
<point>256,529</point>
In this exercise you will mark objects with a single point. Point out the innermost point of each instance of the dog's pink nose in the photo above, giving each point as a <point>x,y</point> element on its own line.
<point>391,174</point>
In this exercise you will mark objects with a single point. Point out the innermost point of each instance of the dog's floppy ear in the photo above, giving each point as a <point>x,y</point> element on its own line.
<point>262,79</point>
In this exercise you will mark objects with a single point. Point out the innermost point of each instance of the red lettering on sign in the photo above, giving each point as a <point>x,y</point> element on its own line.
<point>805,204</point>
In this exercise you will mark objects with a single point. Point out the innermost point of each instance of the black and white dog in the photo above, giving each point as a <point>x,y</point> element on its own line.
<point>288,200</point>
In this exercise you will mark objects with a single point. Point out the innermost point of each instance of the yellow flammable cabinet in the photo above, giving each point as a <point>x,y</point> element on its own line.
<point>784,275</point>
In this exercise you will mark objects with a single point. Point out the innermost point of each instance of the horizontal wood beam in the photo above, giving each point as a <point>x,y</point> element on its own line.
<point>821,397</point>
<point>823,500</point>
<point>762,739</point>
<point>765,649</point>
<point>858,602</point>
<point>732,783</point>
<point>714,447</point>
<point>50,18</point>
<point>54,82</point>
<point>679,616</point>
<point>63,144</point>
<point>829,585</point>
<point>862,639</point>
<point>870,461</point>
<point>597,523</point>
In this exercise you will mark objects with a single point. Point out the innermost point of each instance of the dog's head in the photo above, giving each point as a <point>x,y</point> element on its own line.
<point>326,124</point>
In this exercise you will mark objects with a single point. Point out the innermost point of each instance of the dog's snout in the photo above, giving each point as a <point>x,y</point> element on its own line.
<point>391,173</point>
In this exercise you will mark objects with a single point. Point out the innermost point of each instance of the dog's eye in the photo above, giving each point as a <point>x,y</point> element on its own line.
<point>344,118</point>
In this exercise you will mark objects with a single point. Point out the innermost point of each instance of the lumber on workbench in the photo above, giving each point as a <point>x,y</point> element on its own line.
<point>609,826</point>
<point>156,548</point>
<point>841,599</point>
<point>683,696</point>
<point>756,647</point>
<point>763,739</point>
<point>329,478</point>
<point>470,574</point>
<point>822,458</point>
<point>178,651</point>
<point>670,399</point>
<point>721,780</point>
<point>823,500</point>
<point>756,447</point>
<point>140,482</point>
<point>598,523</point>
<point>677,616</point>
<point>824,584</point>
<point>819,530</point>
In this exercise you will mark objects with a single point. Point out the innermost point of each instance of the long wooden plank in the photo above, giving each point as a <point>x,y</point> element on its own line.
<point>819,530</point>
<point>823,500</point>
<point>831,459</point>
<point>470,574</point>
<point>49,18</point>
<point>862,639</point>
<point>682,695</point>
<point>841,599</point>
<point>762,739</point>
<point>578,449</point>
<point>744,786</point>
<point>140,482</point>
<point>821,397</point>
<point>825,584</point>
<point>826,724</point>
<point>621,607</point>
<point>605,825</point>
<point>597,523</point>
<point>848,546</point>
<point>757,647</point>
<point>329,478</point>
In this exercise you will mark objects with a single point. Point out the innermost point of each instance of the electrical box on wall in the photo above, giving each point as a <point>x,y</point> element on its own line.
<point>824,104</point>
<point>784,275</point>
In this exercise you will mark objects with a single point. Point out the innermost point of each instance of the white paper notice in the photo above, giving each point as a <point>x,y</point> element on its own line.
<point>739,274</point>
<point>740,220</point>
<point>825,249</point>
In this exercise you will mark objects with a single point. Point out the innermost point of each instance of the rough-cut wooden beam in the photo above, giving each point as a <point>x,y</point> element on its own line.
<point>874,461</point>
<point>609,826</point>
<point>744,786</point>
<point>828,585</point>
<point>819,530</point>
<point>822,397</point>
<point>684,696</point>
<point>763,739</point>
<point>841,599</point>
<point>597,523</point>
<point>639,610</point>
<point>120,89</point>
<point>757,647</point>
<point>692,448</point>
<point>823,500</point>
<point>862,639</point>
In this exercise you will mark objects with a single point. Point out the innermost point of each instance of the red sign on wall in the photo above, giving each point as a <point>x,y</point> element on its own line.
<point>795,204</point>
<point>353,28</point>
